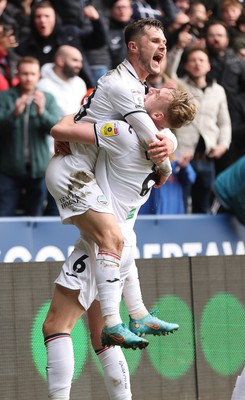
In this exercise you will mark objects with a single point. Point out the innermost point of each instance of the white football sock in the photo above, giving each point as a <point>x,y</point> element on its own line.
<point>117,379</point>
<point>239,390</point>
<point>132,295</point>
<point>60,365</point>
<point>109,286</point>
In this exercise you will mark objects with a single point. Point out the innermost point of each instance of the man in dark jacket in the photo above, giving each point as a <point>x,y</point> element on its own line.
<point>228,70</point>
<point>120,15</point>
<point>47,34</point>
<point>26,117</point>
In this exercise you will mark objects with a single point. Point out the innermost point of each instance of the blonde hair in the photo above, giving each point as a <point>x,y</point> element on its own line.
<point>181,109</point>
<point>27,60</point>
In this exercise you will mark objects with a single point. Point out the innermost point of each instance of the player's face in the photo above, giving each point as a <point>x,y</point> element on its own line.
<point>151,50</point>
<point>157,99</point>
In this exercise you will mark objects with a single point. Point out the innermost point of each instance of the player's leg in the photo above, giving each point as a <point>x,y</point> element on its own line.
<point>239,390</point>
<point>74,292</point>
<point>112,360</point>
<point>103,229</point>
<point>141,321</point>
<point>64,312</point>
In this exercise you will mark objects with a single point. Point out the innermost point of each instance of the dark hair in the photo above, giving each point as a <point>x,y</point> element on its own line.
<point>216,22</point>
<point>42,4</point>
<point>196,3</point>
<point>136,28</point>
<point>193,49</point>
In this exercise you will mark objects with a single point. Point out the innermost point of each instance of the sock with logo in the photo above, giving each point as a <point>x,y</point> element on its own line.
<point>116,373</point>
<point>109,286</point>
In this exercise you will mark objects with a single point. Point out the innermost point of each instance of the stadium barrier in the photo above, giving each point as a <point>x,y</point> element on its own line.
<point>205,295</point>
<point>46,239</point>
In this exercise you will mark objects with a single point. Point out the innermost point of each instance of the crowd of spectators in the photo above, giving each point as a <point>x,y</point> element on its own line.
<point>75,42</point>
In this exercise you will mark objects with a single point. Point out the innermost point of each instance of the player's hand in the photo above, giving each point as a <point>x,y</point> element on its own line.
<point>161,180</point>
<point>61,148</point>
<point>160,150</point>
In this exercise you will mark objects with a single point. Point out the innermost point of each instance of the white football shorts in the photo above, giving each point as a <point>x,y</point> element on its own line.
<point>78,271</point>
<point>75,191</point>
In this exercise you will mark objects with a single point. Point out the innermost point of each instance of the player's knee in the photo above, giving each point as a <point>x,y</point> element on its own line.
<point>53,324</point>
<point>112,240</point>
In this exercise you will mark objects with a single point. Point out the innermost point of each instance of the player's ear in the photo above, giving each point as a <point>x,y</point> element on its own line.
<point>159,116</point>
<point>132,46</point>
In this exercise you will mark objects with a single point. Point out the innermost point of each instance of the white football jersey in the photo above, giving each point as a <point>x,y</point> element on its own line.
<point>123,169</point>
<point>119,95</point>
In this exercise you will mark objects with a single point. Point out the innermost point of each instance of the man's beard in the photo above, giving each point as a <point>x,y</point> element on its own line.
<point>69,71</point>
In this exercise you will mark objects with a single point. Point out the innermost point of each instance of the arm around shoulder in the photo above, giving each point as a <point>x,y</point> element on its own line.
<point>66,130</point>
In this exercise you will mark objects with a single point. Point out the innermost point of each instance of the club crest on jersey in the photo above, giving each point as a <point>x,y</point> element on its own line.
<point>109,129</point>
<point>103,200</point>
<point>138,98</point>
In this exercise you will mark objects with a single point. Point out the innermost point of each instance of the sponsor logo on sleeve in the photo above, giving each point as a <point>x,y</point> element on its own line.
<point>109,129</point>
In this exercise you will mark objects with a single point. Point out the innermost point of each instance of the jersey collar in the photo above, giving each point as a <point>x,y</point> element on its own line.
<point>132,71</point>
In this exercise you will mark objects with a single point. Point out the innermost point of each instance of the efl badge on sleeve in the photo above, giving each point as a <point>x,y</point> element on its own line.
<point>109,129</point>
<point>138,98</point>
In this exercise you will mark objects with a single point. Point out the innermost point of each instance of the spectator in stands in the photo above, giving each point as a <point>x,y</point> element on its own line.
<point>7,58</point>
<point>209,136</point>
<point>75,13</point>
<point>230,11</point>
<point>182,5</point>
<point>238,40</point>
<point>20,17</point>
<point>5,16</point>
<point>198,15</point>
<point>99,59</point>
<point>26,117</point>
<point>191,33</point>
<point>47,34</point>
<point>212,7</point>
<point>120,14</point>
<point>228,69</point>
<point>165,11</point>
<point>62,81</point>
<point>70,11</point>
